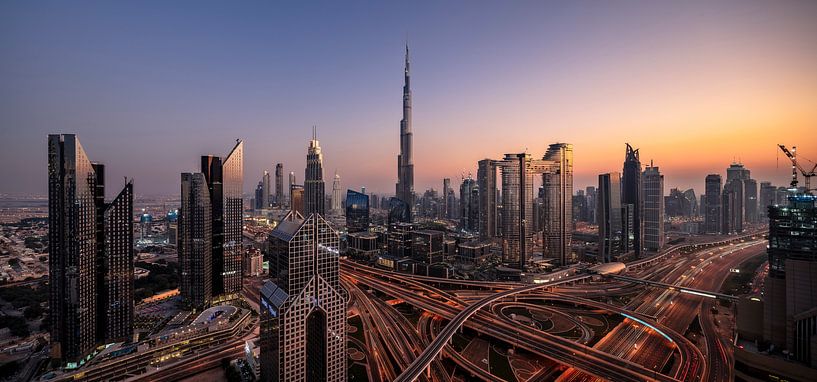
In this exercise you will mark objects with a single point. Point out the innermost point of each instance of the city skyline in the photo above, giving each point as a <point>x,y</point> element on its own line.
<point>744,79</point>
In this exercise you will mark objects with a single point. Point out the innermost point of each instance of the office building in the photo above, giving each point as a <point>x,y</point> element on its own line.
<point>486,181</point>
<point>750,213</point>
<point>357,211</point>
<point>225,182</point>
<point>292,182</point>
<point>303,310</point>
<point>258,201</point>
<point>399,211</point>
<point>632,201</point>
<point>446,190</point>
<point>266,193</point>
<point>590,193</point>
<point>279,185</point>
<point>405,163</point>
<point>732,207</point>
<point>91,262</point>
<point>469,205</point>
<point>195,246</point>
<point>609,216</point>
<point>296,198</point>
<point>766,199</point>
<point>790,304</point>
<point>712,204</point>
<point>653,218</point>
<point>314,187</point>
<point>427,246</point>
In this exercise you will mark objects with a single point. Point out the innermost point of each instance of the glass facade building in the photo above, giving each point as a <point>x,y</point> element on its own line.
<point>609,216</point>
<point>357,211</point>
<point>91,254</point>
<point>195,246</point>
<point>303,318</point>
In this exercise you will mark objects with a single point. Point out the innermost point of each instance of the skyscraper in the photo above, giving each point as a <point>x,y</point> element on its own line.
<point>279,184</point>
<point>225,180</point>
<point>267,190</point>
<point>357,211</point>
<point>609,209</point>
<point>632,200</point>
<point>653,194</point>
<point>195,246</point>
<point>766,199</point>
<point>557,216</point>
<point>314,187</point>
<point>712,207</point>
<point>750,213</point>
<point>292,182</point>
<point>405,163</point>
<point>303,315</point>
<point>259,196</point>
<point>732,207</point>
<point>590,193</point>
<point>91,254</point>
<point>790,306</point>
<point>469,205</point>
<point>517,208</point>
<point>486,180</point>
<point>446,188</point>
<point>336,196</point>
<point>115,303</point>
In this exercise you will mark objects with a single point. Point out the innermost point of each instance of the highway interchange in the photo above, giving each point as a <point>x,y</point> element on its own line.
<point>650,342</point>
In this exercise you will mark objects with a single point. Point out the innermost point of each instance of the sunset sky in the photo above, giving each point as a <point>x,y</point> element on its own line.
<point>149,86</point>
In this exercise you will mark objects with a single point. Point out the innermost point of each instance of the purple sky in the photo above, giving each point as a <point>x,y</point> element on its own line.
<point>150,86</point>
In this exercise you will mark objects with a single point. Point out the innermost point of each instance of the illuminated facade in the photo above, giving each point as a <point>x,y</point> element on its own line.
<point>790,307</point>
<point>303,318</point>
<point>314,187</point>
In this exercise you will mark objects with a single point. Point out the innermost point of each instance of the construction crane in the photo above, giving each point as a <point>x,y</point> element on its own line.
<point>795,166</point>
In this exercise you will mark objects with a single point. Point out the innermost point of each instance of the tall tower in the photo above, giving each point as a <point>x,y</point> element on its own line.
<point>712,204</point>
<point>405,163</point>
<point>279,184</point>
<point>336,196</point>
<point>486,180</point>
<point>557,182</point>
<point>225,180</point>
<point>608,215</point>
<point>653,193</point>
<point>314,188</point>
<point>267,190</point>
<point>303,315</point>
<point>91,247</point>
<point>195,246</point>
<point>631,199</point>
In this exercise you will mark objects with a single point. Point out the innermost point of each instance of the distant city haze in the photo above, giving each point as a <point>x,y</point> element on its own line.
<point>148,89</point>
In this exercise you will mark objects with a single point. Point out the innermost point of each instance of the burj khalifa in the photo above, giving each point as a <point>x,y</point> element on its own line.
<point>405,164</point>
